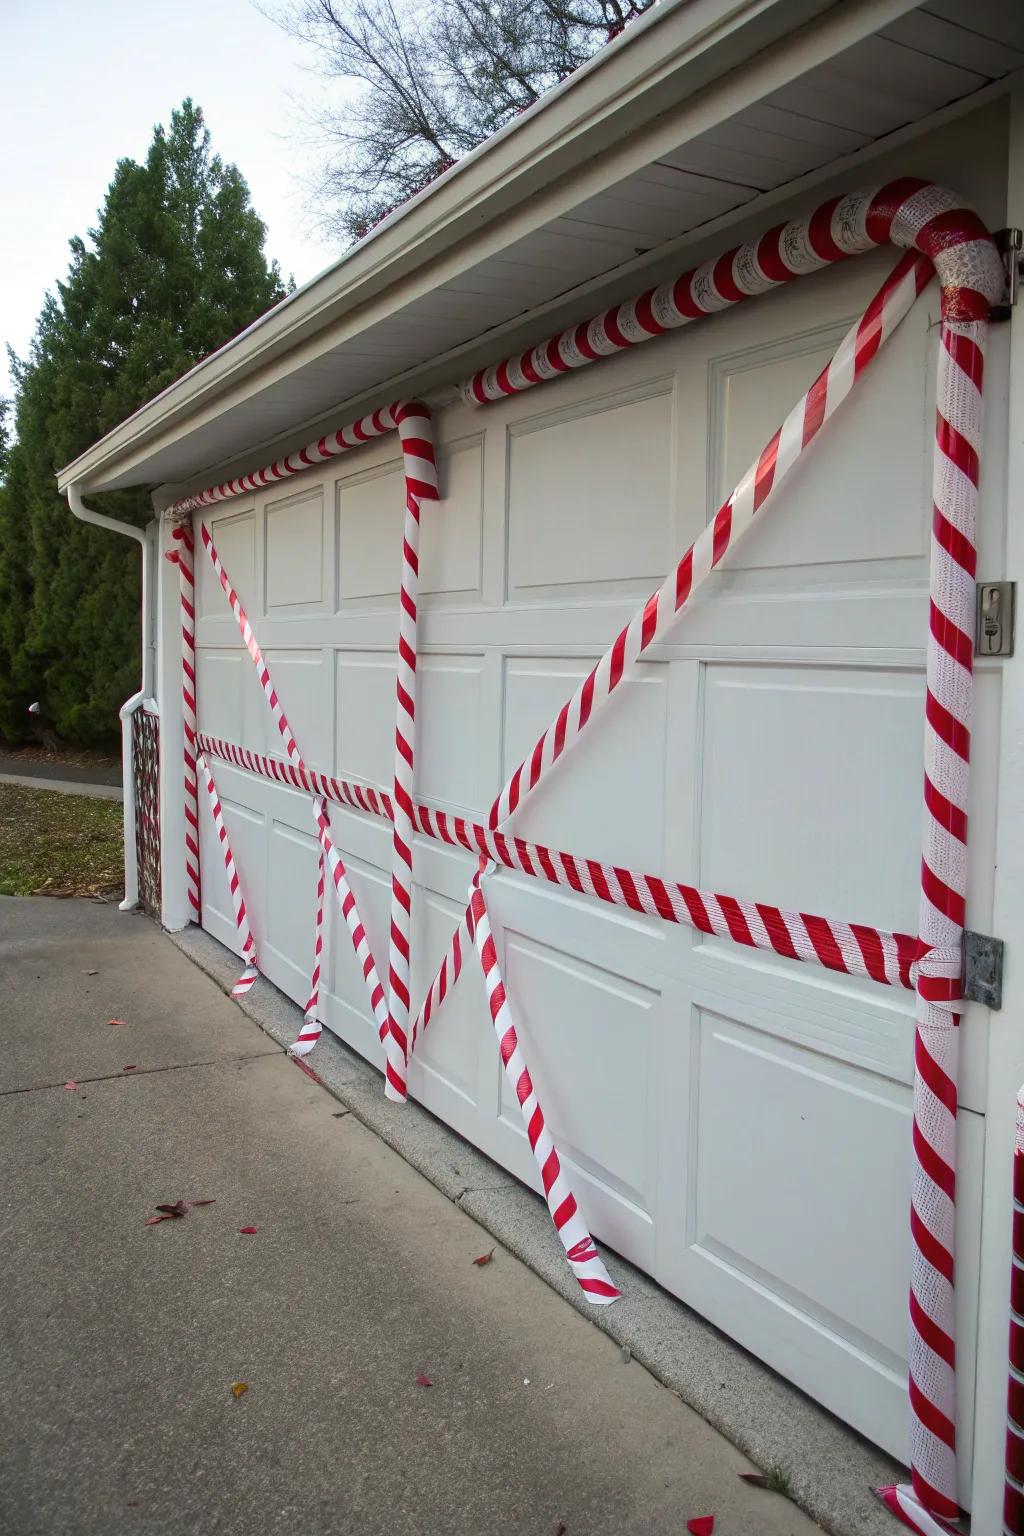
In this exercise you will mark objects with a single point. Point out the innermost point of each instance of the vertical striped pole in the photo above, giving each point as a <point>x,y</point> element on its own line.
<point>932,1500</point>
<point>183,556</point>
<point>415,434</point>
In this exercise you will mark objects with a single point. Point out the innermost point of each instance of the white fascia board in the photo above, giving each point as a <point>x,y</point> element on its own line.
<point>683,67</point>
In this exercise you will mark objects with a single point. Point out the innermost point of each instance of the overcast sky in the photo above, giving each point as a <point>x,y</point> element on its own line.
<point>84,83</point>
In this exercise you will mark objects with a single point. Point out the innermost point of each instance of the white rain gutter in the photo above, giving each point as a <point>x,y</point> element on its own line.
<point>130,705</point>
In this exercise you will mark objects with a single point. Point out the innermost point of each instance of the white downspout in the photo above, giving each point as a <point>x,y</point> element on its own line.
<point>128,708</point>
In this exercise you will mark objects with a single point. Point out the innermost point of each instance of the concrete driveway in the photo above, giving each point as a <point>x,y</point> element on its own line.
<point>120,1342</point>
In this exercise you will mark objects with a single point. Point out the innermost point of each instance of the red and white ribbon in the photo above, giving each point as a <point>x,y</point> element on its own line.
<point>311,1026</point>
<point>583,1257</point>
<point>248,943</point>
<point>856,949</point>
<point>416,435</point>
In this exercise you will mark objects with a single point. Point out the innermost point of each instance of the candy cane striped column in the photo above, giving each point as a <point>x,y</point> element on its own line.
<point>183,556</point>
<point>415,433</point>
<point>360,942</point>
<point>1013,1496</point>
<point>583,1257</point>
<point>249,975</point>
<point>933,1498</point>
<point>311,1026</point>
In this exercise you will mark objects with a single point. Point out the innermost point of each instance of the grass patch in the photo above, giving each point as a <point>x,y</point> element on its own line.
<point>776,1480</point>
<point>59,845</point>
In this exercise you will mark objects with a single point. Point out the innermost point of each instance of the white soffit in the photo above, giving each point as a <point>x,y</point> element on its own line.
<point>742,138</point>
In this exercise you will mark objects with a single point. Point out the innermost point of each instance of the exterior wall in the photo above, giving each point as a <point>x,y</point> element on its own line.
<point>736,1124</point>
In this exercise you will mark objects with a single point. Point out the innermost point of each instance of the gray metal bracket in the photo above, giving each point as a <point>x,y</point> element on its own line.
<point>983,969</point>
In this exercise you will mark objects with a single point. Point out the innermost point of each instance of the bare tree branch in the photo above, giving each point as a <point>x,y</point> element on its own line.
<point>427,81</point>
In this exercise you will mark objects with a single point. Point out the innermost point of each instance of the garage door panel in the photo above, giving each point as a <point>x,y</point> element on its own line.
<point>606,800</point>
<point>291,909</point>
<point>818,1216</point>
<point>246,829</point>
<point>366,716</point>
<point>234,534</point>
<point>303,682</point>
<point>371,513</point>
<point>451,731</point>
<point>589,1035</point>
<point>297,563</point>
<point>835,507</point>
<point>347,1003</point>
<point>448,1053</point>
<point>590,495</point>
<point>811,789</point>
<point>231,702</point>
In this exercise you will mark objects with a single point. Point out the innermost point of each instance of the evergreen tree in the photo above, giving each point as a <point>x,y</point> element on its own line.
<point>174,268</point>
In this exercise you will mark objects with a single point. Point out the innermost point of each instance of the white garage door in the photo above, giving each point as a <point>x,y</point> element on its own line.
<point>737,1124</point>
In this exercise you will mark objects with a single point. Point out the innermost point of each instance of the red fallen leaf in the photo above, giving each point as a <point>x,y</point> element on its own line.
<point>248,1231</point>
<point>424,1381</point>
<point>111,1021</point>
<point>202,1202</point>
<point>152,1221</point>
<point>177,1209</point>
<point>485,1258</point>
<point>703,1525</point>
<point>755,1479</point>
<point>71,1087</point>
<point>129,1068</point>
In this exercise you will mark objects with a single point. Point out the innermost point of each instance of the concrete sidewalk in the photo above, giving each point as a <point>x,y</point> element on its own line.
<point>120,1342</point>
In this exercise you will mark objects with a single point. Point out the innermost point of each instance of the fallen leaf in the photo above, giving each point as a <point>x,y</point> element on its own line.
<point>239,1388</point>
<point>71,1087</point>
<point>485,1258</point>
<point>92,973</point>
<point>151,1221</point>
<point>248,1231</point>
<point>134,1503</point>
<point>424,1381</point>
<point>703,1525</point>
<point>129,1068</point>
<point>561,1528</point>
<point>113,1021</point>
<point>177,1209</point>
<point>755,1479</point>
<point>202,1202</point>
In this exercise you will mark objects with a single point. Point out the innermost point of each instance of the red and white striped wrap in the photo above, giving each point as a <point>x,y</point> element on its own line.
<point>580,1251</point>
<point>360,942</point>
<point>311,1026</point>
<point>1013,1495</point>
<point>377,424</point>
<point>950,661</point>
<point>908,213</point>
<point>248,943</point>
<point>416,435</point>
<point>856,949</point>
<point>183,556</point>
